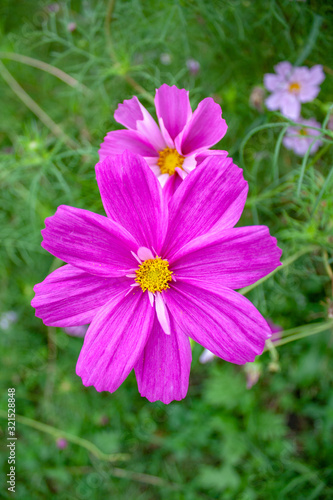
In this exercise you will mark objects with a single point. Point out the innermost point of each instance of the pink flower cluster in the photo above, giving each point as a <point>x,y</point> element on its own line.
<point>163,265</point>
<point>290,87</point>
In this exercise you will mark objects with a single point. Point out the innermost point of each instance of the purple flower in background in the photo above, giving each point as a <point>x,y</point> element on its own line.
<point>299,139</point>
<point>193,66</point>
<point>76,331</point>
<point>206,356</point>
<point>291,86</point>
<point>61,443</point>
<point>178,145</point>
<point>152,274</point>
<point>165,59</point>
<point>7,319</point>
<point>71,27</point>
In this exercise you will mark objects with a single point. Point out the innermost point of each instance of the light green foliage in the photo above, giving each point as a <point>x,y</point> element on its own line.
<point>223,441</point>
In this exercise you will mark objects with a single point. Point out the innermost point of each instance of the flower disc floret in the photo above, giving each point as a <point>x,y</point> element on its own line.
<point>154,275</point>
<point>294,87</point>
<point>169,160</point>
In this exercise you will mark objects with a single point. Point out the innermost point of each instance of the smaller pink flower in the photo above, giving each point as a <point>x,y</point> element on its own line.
<point>193,66</point>
<point>61,443</point>
<point>300,139</point>
<point>71,27</point>
<point>76,331</point>
<point>291,86</point>
<point>178,144</point>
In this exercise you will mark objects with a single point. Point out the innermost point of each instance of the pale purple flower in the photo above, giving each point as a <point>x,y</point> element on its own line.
<point>193,66</point>
<point>291,86</point>
<point>76,331</point>
<point>299,139</point>
<point>165,59</point>
<point>71,27</point>
<point>206,356</point>
<point>275,329</point>
<point>61,443</point>
<point>7,319</point>
<point>152,274</point>
<point>180,142</point>
<point>253,372</point>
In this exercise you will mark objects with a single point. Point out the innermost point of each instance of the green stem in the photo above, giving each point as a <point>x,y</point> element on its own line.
<point>35,108</point>
<point>48,68</point>
<point>309,330</point>
<point>57,433</point>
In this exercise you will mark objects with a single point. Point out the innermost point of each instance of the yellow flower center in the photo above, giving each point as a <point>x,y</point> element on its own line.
<point>303,132</point>
<point>169,160</point>
<point>154,275</point>
<point>294,87</point>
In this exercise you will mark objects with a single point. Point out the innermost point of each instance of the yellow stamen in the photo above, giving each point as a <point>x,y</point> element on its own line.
<point>294,88</point>
<point>169,160</point>
<point>154,275</point>
<point>302,131</point>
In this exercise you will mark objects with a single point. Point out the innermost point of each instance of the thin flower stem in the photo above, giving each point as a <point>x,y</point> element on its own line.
<point>113,54</point>
<point>58,433</point>
<point>127,474</point>
<point>276,153</point>
<point>48,68</point>
<point>35,108</point>
<point>310,43</point>
<point>285,264</point>
<point>309,330</point>
<point>107,27</point>
<point>321,194</point>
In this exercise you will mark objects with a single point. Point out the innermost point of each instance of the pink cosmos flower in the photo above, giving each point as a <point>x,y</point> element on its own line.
<point>151,274</point>
<point>299,139</point>
<point>291,86</point>
<point>178,145</point>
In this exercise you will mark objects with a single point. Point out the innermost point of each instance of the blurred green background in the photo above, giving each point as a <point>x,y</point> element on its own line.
<point>223,441</point>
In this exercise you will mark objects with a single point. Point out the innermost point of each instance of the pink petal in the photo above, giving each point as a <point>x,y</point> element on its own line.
<point>170,186</point>
<point>129,112</point>
<point>210,152</point>
<point>114,341</point>
<point>72,297</point>
<point>317,75</point>
<point>283,68</point>
<point>308,92</point>
<point>145,253</point>
<point>290,106</point>
<point>205,128</point>
<point>89,241</point>
<point>134,116</point>
<point>273,82</point>
<point>173,107</point>
<point>117,141</point>
<point>221,320</point>
<point>163,369</point>
<point>213,195</point>
<point>273,102</point>
<point>133,198</point>
<point>162,313</point>
<point>233,258</point>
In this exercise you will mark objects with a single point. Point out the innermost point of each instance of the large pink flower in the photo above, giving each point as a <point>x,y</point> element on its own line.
<point>178,145</point>
<point>291,86</point>
<point>150,275</point>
